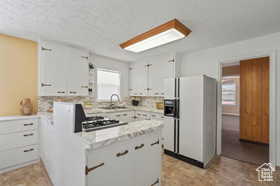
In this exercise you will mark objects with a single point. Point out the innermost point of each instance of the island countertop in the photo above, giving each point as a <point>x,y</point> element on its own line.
<point>100,138</point>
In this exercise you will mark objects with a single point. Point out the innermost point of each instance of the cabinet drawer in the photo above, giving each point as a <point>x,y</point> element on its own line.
<point>20,139</point>
<point>17,125</point>
<point>18,156</point>
<point>95,157</point>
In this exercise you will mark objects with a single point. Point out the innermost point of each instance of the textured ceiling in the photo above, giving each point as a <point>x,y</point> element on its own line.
<point>101,25</point>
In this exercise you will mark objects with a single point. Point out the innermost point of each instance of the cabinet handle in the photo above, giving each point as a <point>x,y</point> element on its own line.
<point>26,135</point>
<point>124,114</point>
<point>28,124</point>
<point>93,168</point>
<point>156,182</point>
<point>84,86</point>
<point>60,92</point>
<point>139,147</point>
<point>85,57</point>
<point>156,93</point>
<point>122,153</point>
<point>46,85</point>
<point>155,143</point>
<point>130,89</point>
<point>118,115</point>
<point>46,49</point>
<point>28,150</point>
<point>73,92</point>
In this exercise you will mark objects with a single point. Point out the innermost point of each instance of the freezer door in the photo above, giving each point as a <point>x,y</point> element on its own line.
<point>169,88</point>
<point>168,133</point>
<point>191,117</point>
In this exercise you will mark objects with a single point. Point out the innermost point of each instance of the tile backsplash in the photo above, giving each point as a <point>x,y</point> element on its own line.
<point>149,102</point>
<point>46,103</point>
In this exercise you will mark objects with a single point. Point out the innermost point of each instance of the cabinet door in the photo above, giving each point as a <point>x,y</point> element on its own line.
<point>78,73</point>
<point>48,151</point>
<point>147,160</point>
<point>52,69</point>
<point>112,166</point>
<point>160,68</point>
<point>168,133</point>
<point>138,79</point>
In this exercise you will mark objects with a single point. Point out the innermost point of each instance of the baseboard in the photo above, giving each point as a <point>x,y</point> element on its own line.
<point>184,158</point>
<point>8,169</point>
<point>46,172</point>
<point>253,142</point>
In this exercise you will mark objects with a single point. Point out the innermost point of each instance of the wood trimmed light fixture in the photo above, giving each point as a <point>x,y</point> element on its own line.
<point>171,31</point>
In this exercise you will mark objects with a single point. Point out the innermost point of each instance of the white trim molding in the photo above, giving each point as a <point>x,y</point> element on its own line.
<point>273,102</point>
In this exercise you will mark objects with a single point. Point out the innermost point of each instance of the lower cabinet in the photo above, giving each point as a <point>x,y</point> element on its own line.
<point>18,142</point>
<point>135,162</point>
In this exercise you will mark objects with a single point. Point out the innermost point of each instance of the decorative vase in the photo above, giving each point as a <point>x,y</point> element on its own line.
<point>26,106</point>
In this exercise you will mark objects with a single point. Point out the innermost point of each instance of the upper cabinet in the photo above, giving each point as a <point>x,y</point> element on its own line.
<point>147,76</point>
<point>78,74</point>
<point>138,79</point>
<point>63,70</point>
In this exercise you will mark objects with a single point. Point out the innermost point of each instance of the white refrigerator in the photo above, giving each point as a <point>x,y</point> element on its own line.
<point>190,118</point>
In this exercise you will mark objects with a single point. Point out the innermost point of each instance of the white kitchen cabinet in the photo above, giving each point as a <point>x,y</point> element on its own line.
<point>168,133</point>
<point>160,67</point>
<point>138,79</point>
<point>135,162</point>
<point>63,70</point>
<point>18,142</point>
<point>48,147</point>
<point>113,160</point>
<point>146,149</point>
<point>78,74</point>
<point>149,74</point>
<point>52,69</point>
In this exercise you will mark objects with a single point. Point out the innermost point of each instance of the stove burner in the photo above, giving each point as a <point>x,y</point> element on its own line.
<point>98,122</point>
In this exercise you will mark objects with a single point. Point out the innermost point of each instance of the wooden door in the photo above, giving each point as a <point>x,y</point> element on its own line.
<point>254,100</point>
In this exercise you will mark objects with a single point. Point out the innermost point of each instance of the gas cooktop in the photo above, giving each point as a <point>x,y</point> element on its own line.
<point>99,122</point>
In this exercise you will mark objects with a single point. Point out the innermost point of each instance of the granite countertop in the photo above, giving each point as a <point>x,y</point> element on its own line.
<point>129,108</point>
<point>104,137</point>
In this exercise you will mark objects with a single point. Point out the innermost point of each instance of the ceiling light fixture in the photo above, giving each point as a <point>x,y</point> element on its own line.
<point>171,31</point>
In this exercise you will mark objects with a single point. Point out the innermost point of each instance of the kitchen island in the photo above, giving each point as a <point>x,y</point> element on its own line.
<point>127,155</point>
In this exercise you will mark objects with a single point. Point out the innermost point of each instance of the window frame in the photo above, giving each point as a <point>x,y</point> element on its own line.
<point>96,83</point>
<point>234,79</point>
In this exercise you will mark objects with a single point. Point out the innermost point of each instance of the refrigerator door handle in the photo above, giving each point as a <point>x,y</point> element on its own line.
<point>178,137</point>
<point>175,135</point>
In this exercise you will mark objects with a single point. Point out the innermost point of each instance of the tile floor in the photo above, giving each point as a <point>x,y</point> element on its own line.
<point>233,148</point>
<point>222,172</point>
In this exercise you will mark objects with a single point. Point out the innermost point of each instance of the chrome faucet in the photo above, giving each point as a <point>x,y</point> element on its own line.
<point>112,99</point>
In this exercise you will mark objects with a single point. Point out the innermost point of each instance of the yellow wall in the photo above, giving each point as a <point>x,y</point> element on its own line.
<point>18,73</point>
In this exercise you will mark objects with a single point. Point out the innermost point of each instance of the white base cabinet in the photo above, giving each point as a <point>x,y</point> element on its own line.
<point>134,162</point>
<point>18,142</point>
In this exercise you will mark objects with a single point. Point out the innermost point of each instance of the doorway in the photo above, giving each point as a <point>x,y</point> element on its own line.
<point>245,114</point>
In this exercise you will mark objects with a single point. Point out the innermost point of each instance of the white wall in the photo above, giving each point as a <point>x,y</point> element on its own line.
<point>207,62</point>
<point>113,64</point>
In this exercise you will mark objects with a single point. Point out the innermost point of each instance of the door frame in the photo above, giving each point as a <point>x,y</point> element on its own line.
<point>272,99</point>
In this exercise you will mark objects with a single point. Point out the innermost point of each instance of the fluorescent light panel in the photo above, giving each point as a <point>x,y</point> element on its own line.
<point>156,40</point>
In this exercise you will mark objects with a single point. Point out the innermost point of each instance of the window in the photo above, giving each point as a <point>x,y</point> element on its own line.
<point>108,83</point>
<point>229,90</point>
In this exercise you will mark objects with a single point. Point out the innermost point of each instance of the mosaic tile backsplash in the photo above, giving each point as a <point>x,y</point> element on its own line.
<point>46,103</point>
